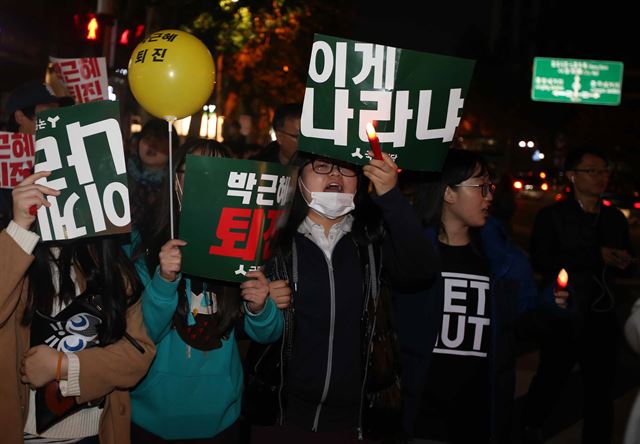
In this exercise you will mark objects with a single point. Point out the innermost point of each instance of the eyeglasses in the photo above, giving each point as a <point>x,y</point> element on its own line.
<point>593,171</point>
<point>320,166</point>
<point>295,136</point>
<point>486,188</point>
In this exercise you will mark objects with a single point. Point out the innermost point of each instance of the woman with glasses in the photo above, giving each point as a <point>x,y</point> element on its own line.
<point>458,334</point>
<point>193,390</point>
<point>337,249</point>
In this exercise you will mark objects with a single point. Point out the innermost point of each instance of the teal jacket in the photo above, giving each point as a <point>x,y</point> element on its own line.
<point>188,393</point>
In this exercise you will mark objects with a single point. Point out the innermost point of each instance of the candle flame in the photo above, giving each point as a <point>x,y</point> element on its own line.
<point>371,131</point>
<point>563,278</point>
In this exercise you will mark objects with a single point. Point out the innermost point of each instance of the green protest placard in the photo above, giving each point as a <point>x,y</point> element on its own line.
<point>82,147</point>
<point>415,99</point>
<point>590,82</point>
<point>230,212</point>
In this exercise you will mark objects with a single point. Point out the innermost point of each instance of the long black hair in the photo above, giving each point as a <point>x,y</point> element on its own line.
<point>459,166</point>
<point>367,218</point>
<point>99,263</point>
<point>154,235</point>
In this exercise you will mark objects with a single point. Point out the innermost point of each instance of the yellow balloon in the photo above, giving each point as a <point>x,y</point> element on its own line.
<point>171,74</point>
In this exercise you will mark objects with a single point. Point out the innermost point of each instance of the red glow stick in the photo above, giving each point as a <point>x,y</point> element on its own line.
<point>373,141</point>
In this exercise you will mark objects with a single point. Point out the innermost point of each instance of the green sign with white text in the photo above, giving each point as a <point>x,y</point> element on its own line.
<point>589,82</point>
<point>414,98</point>
<point>82,147</point>
<point>230,212</point>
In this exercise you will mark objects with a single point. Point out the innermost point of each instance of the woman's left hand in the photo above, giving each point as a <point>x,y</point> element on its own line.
<point>38,366</point>
<point>255,291</point>
<point>382,173</point>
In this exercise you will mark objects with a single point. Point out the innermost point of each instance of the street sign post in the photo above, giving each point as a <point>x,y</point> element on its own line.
<point>590,82</point>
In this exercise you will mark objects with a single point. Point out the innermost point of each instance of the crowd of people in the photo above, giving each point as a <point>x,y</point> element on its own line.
<point>388,311</point>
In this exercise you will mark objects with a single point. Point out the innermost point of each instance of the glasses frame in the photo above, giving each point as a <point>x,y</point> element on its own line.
<point>485,188</point>
<point>593,172</point>
<point>333,165</point>
<point>294,136</point>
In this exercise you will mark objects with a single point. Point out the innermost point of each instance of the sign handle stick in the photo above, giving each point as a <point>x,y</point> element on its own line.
<point>169,122</point>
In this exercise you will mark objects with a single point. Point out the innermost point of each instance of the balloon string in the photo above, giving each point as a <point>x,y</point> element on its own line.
<point>170,178</point>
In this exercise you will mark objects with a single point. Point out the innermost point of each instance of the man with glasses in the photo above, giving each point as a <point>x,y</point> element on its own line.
<point>591,241</point>
<point>286,125</point>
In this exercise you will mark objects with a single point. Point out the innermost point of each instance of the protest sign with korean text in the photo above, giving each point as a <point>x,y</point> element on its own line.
<point>82,147</point>
<point>85,78</point>
<point>414,98</point>
<point>16,158</point>
<point>230,212</point>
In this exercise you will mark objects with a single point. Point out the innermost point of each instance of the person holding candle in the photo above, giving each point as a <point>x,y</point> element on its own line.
<point>591,241</point>
<point>461,390</point>
<point>338,249</point>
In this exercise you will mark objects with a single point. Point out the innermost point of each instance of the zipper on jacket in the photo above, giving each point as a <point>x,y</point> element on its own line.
<point>327,379</point>
<point>371,290</point>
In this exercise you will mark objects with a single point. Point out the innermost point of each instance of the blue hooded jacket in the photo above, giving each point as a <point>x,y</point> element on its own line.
<point>189,393</point>
<point>514,305</point>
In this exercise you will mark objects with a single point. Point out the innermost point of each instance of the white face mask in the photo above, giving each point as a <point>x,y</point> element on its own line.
<point>330,205</point>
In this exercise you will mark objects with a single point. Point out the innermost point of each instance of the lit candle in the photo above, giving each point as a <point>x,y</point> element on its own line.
<point>373,141</point>
<point>563,279</point>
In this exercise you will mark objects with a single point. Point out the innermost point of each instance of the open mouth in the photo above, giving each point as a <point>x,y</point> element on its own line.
<point>333,187</point>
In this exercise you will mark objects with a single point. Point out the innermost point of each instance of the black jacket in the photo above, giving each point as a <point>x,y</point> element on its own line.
<point>564,236</point>
<point>329,325</point>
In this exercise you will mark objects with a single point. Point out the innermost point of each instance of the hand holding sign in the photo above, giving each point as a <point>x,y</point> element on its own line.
<point>255,291</point>
<point>383,174</point>
<point>27,195</point>
<point>171,259</point>
<point>280,292</point>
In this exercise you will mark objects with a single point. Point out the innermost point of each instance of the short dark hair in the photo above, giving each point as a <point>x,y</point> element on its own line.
<point>574,157</point>
<point>284,112</point>
<point>157,129</point>
<point>12,124</point>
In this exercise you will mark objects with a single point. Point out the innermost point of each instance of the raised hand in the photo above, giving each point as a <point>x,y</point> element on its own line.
<point>29,194</point>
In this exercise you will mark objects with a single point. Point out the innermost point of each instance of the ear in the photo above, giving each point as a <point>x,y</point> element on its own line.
<point>450,195</point>
<point>20,117</point>
<point>571,175</point>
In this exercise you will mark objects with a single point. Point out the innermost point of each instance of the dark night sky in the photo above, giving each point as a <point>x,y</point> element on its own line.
<point>505,29</point>
<point>504,36</point>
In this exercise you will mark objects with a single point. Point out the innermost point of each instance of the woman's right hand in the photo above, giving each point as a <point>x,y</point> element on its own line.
<point>28,194</point>
<point>171,259</point>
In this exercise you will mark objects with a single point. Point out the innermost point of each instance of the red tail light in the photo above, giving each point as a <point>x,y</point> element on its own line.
<point>606,203</point>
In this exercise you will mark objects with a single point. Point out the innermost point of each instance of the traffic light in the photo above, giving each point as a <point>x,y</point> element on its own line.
<point>88,27</point>
<point>130,34</point>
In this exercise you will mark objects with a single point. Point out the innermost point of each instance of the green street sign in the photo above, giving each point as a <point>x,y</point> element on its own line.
<point>230,212</point>
<point>590,82</point>
<point>415,99</point>
<point>82,147</point>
